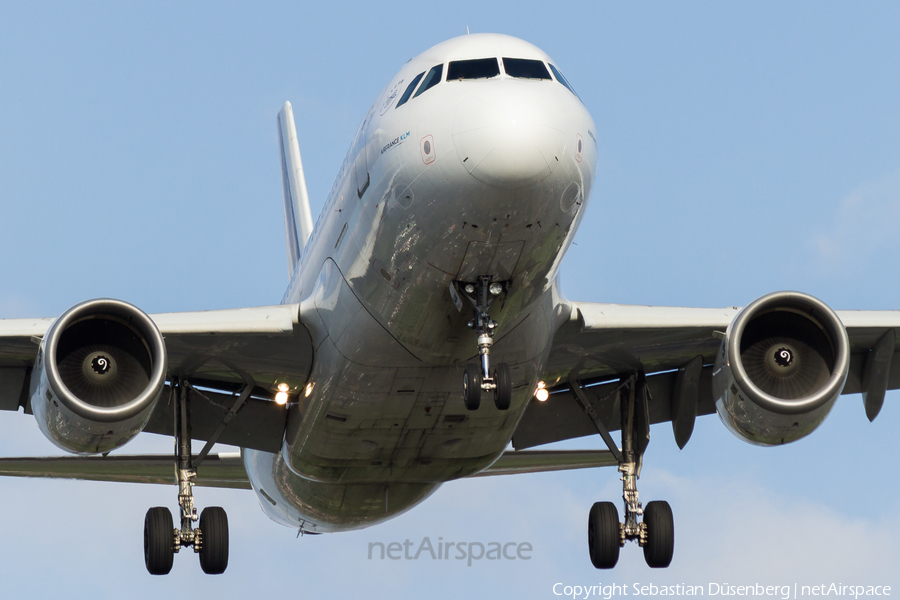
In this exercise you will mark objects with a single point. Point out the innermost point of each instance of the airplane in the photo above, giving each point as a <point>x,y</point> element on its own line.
<point>423,333</point>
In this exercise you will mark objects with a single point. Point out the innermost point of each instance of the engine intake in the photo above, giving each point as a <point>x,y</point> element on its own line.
<point>100,371</point>
<point>782,364</point>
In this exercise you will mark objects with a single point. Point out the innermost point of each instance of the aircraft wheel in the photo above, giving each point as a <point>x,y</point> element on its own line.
<point>159,540</point>
<point>472,387</point>
<point>503,391</point>
<point>603,535</point>
<point>214,546</point>
<point>660,544</point>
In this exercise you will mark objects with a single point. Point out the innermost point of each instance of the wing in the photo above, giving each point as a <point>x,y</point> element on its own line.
<point>223,470</point>
<point>220,352</point>
<point>601,341</point>
<point>226,470</point>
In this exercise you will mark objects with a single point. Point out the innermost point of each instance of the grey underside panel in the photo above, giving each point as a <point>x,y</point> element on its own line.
<point>13,389</point>
<point>223,471</point>
<point>561,416</point>
<point>237,358</point>
<point>259,424</point>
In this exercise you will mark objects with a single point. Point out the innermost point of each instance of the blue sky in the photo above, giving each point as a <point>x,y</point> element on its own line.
<point>744,148</point>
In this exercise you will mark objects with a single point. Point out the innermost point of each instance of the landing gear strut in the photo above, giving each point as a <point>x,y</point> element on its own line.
<point>479,378</point>
<point>161,539</point>
<point>656,533</point>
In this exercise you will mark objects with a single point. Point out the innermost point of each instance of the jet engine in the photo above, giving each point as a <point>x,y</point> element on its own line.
<point>100,370</point>
<point>782,364</point>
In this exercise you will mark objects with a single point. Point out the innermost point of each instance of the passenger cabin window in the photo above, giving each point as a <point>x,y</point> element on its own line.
<point>480,68</point>
<point>409,89</point>
<point>562,80</point>
<point>432,79</point>
<point>524,68</point>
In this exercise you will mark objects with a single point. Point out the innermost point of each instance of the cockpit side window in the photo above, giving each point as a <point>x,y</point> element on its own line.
<point>524,68</point>
<point>432,79</point>
<point>410,89</point>
<point>562,80</point>
<point>479,68</point>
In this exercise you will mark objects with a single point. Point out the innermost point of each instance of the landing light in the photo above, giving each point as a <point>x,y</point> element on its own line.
<point>496,288</point>
<point>281,398</point>
<point>309,388</point>
<point>470,289</point>
<point>541,394</point>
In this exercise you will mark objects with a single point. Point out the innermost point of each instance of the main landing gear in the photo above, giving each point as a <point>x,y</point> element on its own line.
<point>479,378</point>
<point>161,539</point>
<point>656,533</point>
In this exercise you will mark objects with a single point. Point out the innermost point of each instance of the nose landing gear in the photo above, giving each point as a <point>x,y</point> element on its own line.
<point>480,378</point>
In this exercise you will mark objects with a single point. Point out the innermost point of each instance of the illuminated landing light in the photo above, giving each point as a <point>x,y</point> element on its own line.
<point>281,398</point>
<point>541,394</point>
<point>309,388</point>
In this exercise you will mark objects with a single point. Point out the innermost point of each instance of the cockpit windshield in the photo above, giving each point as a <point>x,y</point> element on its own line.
<point>479,68</point>
<point>562,80</point>
<point>525,68</point>
<point>482,68</point>
<point>410,89</point>
<point>432,79</point>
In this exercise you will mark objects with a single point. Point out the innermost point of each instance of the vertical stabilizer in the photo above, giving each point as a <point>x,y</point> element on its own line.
<point>297,215</point>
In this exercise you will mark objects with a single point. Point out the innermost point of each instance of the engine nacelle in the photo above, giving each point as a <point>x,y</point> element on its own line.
<point>782,364</point>
<point>100,370</point>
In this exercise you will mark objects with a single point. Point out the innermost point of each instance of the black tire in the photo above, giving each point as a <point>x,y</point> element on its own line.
<point>603,535</point>
<point>660,544</point>
<point>503,391</point>
<point>472,387</point>
<point>159,540</point>
<point>214,535</point>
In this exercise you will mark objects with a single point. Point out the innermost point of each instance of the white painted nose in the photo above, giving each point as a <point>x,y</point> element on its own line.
<point>510,139</point>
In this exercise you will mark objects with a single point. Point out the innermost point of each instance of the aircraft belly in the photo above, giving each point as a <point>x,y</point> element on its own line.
<point>376,413</point>
<point>316,507</point>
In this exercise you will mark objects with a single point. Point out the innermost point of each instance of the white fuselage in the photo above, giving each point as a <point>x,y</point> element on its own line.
<point>472,177</point>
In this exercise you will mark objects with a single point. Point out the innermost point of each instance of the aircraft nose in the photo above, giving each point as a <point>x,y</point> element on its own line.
<point>510,141</point>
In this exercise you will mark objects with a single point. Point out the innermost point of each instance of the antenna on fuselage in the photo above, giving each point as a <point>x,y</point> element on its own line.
<point>298,222</point>
<point>467,30</point>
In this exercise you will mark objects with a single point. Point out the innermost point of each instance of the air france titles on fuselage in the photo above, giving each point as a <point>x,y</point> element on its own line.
<point>395,142</point>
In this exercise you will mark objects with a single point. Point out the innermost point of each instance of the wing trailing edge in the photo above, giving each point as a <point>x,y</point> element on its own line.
<point>226,469</point>
<point>223,470</point>
<point>514,462</point>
